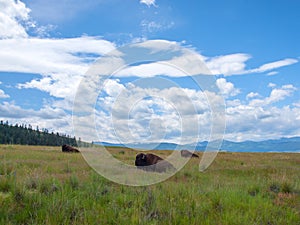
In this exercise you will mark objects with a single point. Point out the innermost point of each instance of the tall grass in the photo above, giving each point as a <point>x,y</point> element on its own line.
<point>40,185</point>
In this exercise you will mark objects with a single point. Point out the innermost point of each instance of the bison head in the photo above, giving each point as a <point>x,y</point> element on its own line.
<point>141,160</point>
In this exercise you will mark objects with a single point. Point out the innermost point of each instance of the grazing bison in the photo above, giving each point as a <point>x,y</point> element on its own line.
<point>68,148</point>
<point>151,162</point>
<point>188,154</point>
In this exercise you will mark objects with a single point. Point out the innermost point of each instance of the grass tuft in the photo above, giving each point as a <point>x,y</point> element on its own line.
<point>74,182</point>
<point>253,191</point>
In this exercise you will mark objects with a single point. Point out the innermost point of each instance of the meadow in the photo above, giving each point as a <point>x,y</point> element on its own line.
<point>42,185</point>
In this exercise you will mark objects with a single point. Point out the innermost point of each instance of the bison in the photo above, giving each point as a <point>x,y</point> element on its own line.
<point>188,154</point>
<point>68,148</point>
<point>151,162</point>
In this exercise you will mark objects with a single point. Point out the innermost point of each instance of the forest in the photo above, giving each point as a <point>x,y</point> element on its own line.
<point>22,134</point>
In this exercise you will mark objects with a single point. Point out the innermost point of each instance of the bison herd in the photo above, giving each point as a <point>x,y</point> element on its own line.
<point>148,161</point>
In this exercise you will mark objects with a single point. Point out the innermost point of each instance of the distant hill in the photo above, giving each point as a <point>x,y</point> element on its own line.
<point>277,145</point>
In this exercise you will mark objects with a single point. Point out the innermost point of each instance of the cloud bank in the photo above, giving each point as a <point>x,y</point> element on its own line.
<point>59,65</point>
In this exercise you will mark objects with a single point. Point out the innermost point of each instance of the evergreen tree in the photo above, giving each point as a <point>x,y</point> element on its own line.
<point>25,135</point>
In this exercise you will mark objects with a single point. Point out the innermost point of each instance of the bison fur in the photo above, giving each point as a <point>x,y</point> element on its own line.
<point>68,148</point>
<point>188,154</point>
<point>151,162</point>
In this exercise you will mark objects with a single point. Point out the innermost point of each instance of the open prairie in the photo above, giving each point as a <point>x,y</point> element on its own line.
<point>42,185</point>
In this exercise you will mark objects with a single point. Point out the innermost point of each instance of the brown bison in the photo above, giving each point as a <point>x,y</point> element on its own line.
<point>68,148</point>
<point>188,154</point>
<point>151,162</point>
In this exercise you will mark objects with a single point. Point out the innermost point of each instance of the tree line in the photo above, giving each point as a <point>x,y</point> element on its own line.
<point>25,135</point>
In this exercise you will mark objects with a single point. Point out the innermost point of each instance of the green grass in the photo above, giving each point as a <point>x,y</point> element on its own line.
<point>42,185</point>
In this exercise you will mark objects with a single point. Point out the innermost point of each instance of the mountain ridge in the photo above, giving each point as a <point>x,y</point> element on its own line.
<point>272,145</point>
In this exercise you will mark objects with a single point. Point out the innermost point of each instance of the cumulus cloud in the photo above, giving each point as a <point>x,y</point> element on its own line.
<point>13,18</point>
<point>279,94</point>
<point>227,88</point>
<point>250,122</point>
<point>9,109</point>
<point>297,104</point>
<point>174,113</point>
<point>3,95</point>
<point>52,118</point>
<point>136,114</point>
<point>261,117</point>
<point>252,95</point>
<point>276,95</point>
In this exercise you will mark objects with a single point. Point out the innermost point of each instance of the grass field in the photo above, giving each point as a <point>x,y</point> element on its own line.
<point>42,185</point>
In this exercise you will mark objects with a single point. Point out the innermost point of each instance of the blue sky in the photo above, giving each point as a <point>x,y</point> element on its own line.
<point>250,47</point>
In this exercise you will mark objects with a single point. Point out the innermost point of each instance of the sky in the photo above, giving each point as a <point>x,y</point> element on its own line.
<point>249,50</point>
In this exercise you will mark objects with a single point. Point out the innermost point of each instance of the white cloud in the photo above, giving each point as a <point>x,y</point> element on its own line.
<point>57,85</point>
<point>235,64</point>
<point>271,85</point>
<point>113,87</point>
<point>12,15</point>
<point>151,70</point>
<point>61,62</point>
<point>272,73</point>
<point>297,104</point>
<point>228,64</point>
<point>3,95</point>
<point>234,102</point>
<point>9,109</point>
<point>136,114</point>
<point>49,117</point>
<point>276,95</point>
<point>249,122</point>
<point>252,95</point>
<point>279,94</point>
<point>227,88</point>
<point>262,118</point>
<point>178,63</point>
<point>46,56</point>
<point>155,26</point>
<point>273,65</point>
<point>148,2</point>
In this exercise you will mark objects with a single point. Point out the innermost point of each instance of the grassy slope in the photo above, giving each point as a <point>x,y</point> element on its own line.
<point>41,185</point>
